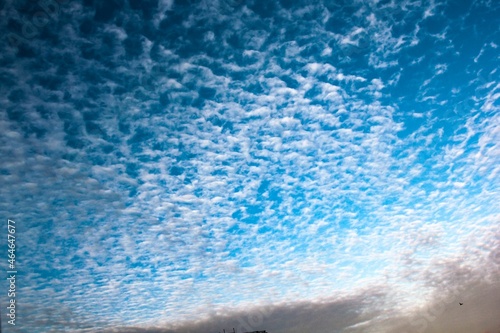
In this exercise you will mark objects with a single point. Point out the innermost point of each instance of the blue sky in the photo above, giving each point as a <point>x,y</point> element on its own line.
<point>179,166</point>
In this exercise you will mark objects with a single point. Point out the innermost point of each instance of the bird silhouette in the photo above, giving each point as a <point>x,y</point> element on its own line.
<point>460,303</point>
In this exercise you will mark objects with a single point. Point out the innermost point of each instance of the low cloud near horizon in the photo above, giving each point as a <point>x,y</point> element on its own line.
<point>374,309</point>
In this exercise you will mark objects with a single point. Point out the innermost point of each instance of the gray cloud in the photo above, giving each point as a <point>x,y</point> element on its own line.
<point>297,317</point>
<point>372,310</point>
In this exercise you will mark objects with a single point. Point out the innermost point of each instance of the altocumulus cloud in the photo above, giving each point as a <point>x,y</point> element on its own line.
<point>190,166</point>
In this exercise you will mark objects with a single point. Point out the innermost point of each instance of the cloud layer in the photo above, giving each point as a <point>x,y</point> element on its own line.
<point>172,165</point>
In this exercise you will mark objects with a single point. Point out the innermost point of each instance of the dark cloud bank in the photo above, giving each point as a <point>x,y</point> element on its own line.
<point>370,311</point>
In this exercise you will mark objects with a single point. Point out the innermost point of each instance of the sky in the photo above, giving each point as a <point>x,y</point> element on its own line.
<point>290,166</point>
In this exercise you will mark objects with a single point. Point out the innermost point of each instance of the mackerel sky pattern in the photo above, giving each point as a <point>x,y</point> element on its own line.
<point>175,165</point>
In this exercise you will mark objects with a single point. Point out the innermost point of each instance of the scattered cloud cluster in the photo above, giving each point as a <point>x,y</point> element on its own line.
<point>189,165</point>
